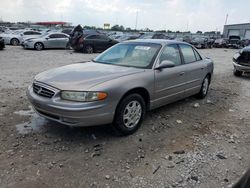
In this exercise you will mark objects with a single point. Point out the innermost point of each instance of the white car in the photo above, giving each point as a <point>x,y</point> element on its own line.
<point>17,37</point>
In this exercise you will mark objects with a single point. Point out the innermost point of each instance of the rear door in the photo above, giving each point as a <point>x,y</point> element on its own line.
<point>195,69</point>
<point>169,82</point>
<point>62,41</point>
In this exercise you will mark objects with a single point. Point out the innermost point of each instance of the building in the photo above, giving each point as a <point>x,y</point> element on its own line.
<point>242,30</point>
<point>53,24</point>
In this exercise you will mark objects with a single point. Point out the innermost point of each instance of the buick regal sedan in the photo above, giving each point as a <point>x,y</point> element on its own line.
<point>120,85</point>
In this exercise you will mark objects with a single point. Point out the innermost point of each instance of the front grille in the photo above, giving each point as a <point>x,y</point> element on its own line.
<point>42,91</point>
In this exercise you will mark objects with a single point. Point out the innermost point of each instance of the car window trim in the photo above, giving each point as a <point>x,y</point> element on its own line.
<point>198,54</point>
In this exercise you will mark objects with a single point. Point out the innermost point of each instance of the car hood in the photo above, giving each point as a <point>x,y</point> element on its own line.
<point>83,76</point>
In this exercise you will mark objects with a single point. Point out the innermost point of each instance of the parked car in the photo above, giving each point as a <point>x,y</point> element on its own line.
<point>126,37</point>
<point>92,43</point>
<point>220,43</point>
<point>67,31</point>
<point>201,42</point>
<point>234,42</point>
<point>183,39</point>
<point>17,37</point>
<point>241,61</point>
<point>121,84</point>
<point>153,36</point>
<point>2,45</point>
<point>48,40</point>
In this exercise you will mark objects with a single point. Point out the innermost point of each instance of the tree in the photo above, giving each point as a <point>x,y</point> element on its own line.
<point>199,32</point>
<point>117,28</point>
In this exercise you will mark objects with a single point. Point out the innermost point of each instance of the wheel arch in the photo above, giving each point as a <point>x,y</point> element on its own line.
<point>14,38</point>
<point>143,92</point>
<point>39,42</point>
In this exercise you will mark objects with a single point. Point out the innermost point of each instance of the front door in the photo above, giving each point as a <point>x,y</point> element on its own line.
<point>169,82</point>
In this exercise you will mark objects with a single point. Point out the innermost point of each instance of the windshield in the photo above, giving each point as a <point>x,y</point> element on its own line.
<point>140,55</point>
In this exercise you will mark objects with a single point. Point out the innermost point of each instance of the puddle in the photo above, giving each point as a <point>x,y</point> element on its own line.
<point>29,112</point>
<point>35,124</point>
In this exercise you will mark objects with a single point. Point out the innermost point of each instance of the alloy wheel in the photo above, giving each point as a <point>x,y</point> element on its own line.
<point>132,114</point>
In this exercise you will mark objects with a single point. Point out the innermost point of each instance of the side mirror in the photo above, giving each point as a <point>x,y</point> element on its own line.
<point>47,38</point>
<point>165,64</point>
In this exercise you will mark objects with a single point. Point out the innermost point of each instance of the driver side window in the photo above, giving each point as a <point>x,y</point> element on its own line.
<point>171,53</point>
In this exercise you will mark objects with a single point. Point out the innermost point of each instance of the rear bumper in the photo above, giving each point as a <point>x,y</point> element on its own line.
<point>241,67</point>
<point>71,113</point>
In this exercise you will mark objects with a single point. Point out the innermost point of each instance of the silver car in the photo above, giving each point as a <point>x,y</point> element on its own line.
<point>121,84</point>
<point>17,37</point>
<point>48,40</point>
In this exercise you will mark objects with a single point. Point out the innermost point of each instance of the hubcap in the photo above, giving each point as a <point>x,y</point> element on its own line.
<point>205,86</point>
<point>39,46</point>
<point>15,42</point>
<point>89,49</point>
<point>132,114</point>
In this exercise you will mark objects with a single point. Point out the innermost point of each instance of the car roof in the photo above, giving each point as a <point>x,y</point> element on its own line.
<point>157,41</point>
<point>52,33</point>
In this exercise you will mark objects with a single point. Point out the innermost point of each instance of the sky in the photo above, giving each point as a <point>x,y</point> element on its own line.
<point>175,15</point>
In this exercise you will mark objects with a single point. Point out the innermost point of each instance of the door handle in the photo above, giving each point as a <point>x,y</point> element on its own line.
<point>181,73</point>
<point>202,68</point>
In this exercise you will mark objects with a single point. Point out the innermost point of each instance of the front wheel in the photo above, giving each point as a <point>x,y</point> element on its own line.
<point>130,114</point>
<point>89,49</point>
<point>204,88</point>
<point>39,46</point>
<point>237,72</point>
<point>14,42</point>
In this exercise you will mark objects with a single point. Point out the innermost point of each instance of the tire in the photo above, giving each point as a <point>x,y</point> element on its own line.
<point>237,72</point>
<point>89,49</point>
<point>129,114</point>
<point>39,46</point>
<point>14,42</point>
<point>204,88</point>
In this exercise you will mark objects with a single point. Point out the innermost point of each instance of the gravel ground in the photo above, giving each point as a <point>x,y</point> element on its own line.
<point>190,143</point>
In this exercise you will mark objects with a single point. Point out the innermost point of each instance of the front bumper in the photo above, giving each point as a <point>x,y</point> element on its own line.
<point>241,67</point>
<point>71,113</point>
<point>27,45</point>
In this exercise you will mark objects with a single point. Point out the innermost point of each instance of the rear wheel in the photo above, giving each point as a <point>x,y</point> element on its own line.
<point>204,88</point>
<point>130,114</point>
<point>89,49</point>
<point>39,46</point>
<point>237,72</point>
<point>14,42</point>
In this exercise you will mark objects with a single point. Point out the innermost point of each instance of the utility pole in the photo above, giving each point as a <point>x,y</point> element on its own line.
<point>226,19</point>
<point>136,19</point>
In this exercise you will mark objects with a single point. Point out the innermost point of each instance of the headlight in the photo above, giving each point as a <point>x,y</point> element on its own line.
<point>83,96</point>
